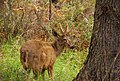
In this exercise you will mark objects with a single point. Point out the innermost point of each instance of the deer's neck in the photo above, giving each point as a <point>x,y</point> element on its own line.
<point>58,48</point>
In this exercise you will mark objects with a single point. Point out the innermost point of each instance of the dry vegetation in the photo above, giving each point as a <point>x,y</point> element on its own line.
<point>21,20</point>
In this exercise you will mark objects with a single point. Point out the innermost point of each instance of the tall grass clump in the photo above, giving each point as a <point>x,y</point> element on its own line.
<point>10,67</point>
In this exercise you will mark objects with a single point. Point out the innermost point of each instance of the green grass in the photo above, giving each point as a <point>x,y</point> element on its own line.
<point>65,69</point>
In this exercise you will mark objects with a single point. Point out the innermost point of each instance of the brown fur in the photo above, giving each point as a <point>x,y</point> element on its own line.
<point>39,56</point>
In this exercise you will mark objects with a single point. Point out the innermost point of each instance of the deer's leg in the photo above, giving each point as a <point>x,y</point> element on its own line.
<point>43,74</point>
<point>27,75</point>
<point>36,74</point>
<point>50,73</point>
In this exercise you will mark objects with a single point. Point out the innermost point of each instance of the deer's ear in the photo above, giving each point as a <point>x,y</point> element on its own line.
<point>55,33</point>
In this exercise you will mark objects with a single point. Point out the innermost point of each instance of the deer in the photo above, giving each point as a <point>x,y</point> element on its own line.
<point>38,56</point>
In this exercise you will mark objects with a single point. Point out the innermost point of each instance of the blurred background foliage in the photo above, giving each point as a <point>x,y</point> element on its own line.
<point>21,20</point>
<point>28,19</point>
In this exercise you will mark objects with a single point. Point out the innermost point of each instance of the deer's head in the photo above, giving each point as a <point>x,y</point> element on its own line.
<point>62,40</point>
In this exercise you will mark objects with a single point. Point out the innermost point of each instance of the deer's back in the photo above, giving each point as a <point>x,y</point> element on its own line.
<point>37,55</point>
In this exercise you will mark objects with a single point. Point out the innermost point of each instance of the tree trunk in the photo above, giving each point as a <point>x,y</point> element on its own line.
<point>103,61</point>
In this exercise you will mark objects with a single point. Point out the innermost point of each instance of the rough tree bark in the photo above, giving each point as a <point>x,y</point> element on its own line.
<point>103,61</point>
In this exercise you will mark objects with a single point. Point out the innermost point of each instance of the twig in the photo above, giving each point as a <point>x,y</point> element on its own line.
<point>50,9</point>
